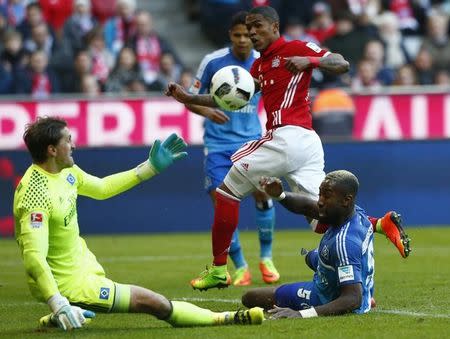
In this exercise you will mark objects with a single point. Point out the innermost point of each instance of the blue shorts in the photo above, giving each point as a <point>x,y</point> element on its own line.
<point>216,167</point>
<point>298,296</point>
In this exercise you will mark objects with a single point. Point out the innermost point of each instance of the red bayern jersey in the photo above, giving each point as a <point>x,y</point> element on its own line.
<point>285,95</point>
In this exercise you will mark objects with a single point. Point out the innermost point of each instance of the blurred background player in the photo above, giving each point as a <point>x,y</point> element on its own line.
<point>225,133</point>
<point>290,148</point>
<point>343,263</point>
<point>61,270</point>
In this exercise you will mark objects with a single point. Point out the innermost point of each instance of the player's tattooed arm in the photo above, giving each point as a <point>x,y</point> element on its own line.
<point>349,300</point>
<point>294,202</point>
<point>334,63</point>
<point>181,95</point>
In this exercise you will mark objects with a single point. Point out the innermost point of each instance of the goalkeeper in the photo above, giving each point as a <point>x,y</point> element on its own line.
<point>61,270</point>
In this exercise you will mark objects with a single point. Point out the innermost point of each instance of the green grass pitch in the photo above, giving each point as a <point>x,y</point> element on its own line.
<point>413,295</point>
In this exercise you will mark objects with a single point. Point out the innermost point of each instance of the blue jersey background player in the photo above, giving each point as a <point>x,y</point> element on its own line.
<point>225,133</point>
<point>343,263</point>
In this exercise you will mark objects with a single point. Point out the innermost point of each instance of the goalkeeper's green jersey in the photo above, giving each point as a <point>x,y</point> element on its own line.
<point>46,224</point>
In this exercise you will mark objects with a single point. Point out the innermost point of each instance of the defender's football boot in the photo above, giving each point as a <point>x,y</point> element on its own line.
<point>391,224</point>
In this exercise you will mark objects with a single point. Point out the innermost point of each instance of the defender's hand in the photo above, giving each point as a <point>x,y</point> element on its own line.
<point>283,312</point>
<point>177,92</point>
<point>216,115</point>
<point>272,186</point>
<point>163,155</point>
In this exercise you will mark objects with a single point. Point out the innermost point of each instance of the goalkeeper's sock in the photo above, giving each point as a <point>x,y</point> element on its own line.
<point>236,253</point>
<point>186,314</point>
<point>226,216</point>
<point>265,219</point>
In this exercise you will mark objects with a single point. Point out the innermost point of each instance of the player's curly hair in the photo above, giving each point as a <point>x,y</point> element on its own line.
<point>267,12</point>
<point>346,181</point>
<point>40,134</point>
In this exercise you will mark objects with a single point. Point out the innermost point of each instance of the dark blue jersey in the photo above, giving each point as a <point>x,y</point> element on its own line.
<point>346,257</point>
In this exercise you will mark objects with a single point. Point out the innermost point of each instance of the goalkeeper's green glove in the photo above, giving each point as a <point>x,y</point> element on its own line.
<point>162,156</point>
<point>64,315</point>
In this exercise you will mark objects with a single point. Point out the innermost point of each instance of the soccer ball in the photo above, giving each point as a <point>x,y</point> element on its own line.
<point>232,87</point>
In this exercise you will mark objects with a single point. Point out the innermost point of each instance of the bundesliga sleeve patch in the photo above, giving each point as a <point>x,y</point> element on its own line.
<point>36,219</point>
<point>314,47</point>
<point>195,88</point>
<point>346,273</point>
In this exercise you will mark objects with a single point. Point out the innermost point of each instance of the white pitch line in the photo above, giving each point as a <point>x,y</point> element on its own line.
<point>237,301</point>
<point>412,314</point>
<point>398,312</point>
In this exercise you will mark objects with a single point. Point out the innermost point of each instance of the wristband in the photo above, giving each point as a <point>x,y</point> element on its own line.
<point>314,62</point>
<point>309,313</point>
<point>145,171</point>
<point>56,302</point>
<point>280,197</point>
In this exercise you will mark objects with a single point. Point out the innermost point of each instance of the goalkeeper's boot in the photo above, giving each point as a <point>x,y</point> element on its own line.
<point>391,225</point>
<point>212,277</point>
<point>242,277</point>
<point>252,316</point>
<point>269,273</point>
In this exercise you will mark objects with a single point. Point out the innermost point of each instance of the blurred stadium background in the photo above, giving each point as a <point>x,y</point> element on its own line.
<point>388,121</point>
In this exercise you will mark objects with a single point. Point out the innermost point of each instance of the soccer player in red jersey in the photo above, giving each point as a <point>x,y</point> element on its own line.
<point>290,148</point>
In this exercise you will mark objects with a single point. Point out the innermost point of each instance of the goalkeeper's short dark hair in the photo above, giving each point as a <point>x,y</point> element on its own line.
<point>40,134</point>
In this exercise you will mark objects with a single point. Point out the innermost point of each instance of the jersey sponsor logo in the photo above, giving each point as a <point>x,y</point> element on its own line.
<point>73,209</point>
<point>36,220</point>
<point>325,252</point>
<point>276,62</point>
<point>346,273</point>
<point>314,47</point>
<point>70,179</point>
<point>104,293</point>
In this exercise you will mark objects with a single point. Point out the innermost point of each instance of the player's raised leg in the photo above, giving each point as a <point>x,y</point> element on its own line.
<point>391,226</point>
<point>265,220</point>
